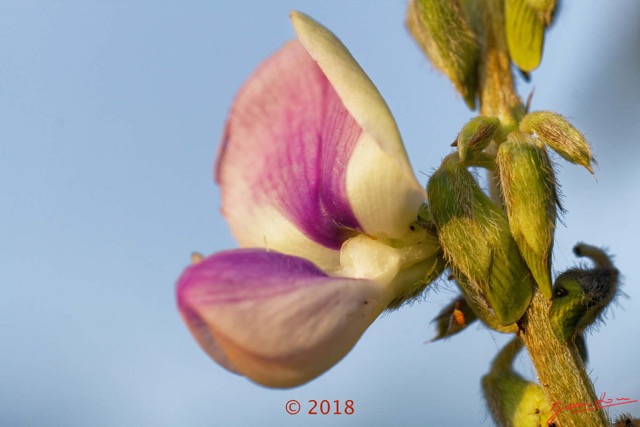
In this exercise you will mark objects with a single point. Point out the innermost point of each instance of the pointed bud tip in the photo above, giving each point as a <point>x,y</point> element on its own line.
<point>560,135</point>
<point>476,135</point>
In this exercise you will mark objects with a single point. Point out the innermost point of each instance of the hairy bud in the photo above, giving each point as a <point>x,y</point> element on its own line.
<point>530,196</point>
<point>525,34</point>
<point>555,131</point>
<point>444,34</point>
<point>475,236</point>
<point>476,135</point>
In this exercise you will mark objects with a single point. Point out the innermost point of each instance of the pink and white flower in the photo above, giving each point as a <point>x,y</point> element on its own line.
<point>317,186</point>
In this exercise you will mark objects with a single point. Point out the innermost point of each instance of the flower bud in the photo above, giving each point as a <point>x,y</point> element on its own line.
<point>453,318</point>
<point>512,400</point>
<point>580,296</point>
<point>525,24</point>
<point>475,136</point>
<point>474,234</point>
<point>525,34</point>
<point>530,196</point>
<point>444,34</point>
<point>555,131</point>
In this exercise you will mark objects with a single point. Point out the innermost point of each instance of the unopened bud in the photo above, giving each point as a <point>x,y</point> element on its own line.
<point>555,131</point>
<point>530,196</point>
<point>475,236</point>
<point>512,400</point>
<point>476,135</point>
<point>444,34</point>
<point>525,34</point>
<point>580,296</point>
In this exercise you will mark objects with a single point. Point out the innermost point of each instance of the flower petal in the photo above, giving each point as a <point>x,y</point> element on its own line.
<point>383,169</point>
<point>283,160</point>
<point>384,195</point>
<point>274,318</point>
<point>311,154</point>
<point>352,84</point>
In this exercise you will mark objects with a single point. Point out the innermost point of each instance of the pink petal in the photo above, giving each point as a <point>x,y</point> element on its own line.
<point>286,146</point>
<point>274,318</point>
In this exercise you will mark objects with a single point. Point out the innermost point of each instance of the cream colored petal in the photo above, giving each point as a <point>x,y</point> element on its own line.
<point>355,89</point>
<point>384,195</point>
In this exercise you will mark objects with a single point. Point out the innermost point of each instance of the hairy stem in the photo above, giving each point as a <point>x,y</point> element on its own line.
<point>498,96</point>
<point>560,369</point>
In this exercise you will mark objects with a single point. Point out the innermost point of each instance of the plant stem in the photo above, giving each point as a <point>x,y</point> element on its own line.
<point>498,96</point>
<point>560,369</point>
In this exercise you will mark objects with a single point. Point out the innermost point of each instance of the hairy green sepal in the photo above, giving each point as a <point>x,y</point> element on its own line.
<point>477,243</point>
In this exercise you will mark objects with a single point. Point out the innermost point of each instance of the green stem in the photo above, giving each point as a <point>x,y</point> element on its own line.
<point>560,369</point>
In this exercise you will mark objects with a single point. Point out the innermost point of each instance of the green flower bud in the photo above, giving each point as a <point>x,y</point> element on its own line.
<point>580,296</point>
<point>513,401</point>
<point>475,136</point>
<point>453,318</point>
<point>555,131</point>
<point>444,34</point>
<point>530,196</point>
<point>475,236</point>
<point>525,34</point>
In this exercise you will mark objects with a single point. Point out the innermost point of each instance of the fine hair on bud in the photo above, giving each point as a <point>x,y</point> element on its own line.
<point>443,32</point>
<point>477,243</point>
<point>530,194</point>
<point>556,132</point>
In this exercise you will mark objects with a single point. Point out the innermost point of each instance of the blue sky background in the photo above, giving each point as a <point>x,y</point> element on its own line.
<point>110,115</point>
